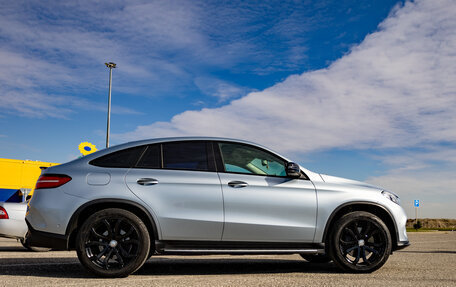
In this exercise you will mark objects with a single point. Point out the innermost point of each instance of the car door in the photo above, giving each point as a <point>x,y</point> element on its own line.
<point>261,203</point>
<point>177,180</point>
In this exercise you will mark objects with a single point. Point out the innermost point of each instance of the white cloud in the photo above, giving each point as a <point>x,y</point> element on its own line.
<point>395,89</point>
<point>60,47</point>
<point>24,71</point>
<point>220,89</point>
<point>436,190</point>
<point>426,174</point>
<point>51,51</point>
<point>33,104</point>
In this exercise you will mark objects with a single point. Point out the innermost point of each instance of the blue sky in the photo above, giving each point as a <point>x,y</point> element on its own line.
<point>359,89</point>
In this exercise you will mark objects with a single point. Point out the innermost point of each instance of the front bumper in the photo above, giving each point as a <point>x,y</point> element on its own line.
<point>45,239</point>
<point>401,245</point>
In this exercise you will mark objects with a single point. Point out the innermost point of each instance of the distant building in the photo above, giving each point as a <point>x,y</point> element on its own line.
<point>18,178</point>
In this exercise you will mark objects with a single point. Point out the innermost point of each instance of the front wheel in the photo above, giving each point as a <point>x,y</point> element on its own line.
<point>360,242</point>
<point>113,243</point>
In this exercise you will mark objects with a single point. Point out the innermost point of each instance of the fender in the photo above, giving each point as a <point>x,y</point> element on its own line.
<point>72,225</point>
<point>360,203</point>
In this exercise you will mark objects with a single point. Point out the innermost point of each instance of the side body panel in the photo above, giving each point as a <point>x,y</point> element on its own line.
<point>188,204</point>
<point>50,210</point>
<point>269,209</point>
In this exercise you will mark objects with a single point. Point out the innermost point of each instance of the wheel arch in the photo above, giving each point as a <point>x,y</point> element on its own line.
<point>87,209</point>
<point>371,207</point>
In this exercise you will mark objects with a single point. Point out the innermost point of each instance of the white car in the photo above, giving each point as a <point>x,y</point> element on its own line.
<point>12,223</point>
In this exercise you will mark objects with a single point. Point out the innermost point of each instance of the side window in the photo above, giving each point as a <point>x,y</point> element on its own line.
<point>185,155</point>
<point>151,157</point>
<point>123,158</point>
<point>241,158</point>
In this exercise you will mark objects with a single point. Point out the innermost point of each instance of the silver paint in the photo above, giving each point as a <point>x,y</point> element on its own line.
<point>195,205</point>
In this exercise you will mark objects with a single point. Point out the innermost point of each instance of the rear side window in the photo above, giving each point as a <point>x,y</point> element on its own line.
<point>151,157</point>
<point>123,158</point>
<point>185,155</point>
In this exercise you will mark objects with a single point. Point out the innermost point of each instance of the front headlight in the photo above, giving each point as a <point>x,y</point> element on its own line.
<point>391,196</point>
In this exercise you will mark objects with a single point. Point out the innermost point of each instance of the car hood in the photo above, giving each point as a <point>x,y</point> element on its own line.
<point>341,180</point>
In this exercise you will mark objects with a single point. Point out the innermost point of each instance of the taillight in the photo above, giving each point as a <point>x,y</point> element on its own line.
<point>52,180</point>
<point>3,213</point>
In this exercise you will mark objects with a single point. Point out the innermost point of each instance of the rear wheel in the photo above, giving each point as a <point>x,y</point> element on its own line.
<point>360,242</point>
<point>113,243</point>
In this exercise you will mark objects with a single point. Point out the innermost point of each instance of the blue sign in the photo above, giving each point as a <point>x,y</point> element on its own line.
<point>416,203</point>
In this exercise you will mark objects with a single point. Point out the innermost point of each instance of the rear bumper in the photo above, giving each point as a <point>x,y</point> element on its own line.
<point>46,239</point>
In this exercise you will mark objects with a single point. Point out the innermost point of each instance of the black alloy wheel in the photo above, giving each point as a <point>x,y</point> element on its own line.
<point>361,242</point>
<point>113,243</point>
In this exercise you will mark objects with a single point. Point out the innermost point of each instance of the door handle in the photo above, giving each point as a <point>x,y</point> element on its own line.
<point>237,184</point>
<point>147,181</point>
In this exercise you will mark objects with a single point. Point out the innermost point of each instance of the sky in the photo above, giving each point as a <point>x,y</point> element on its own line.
<point>358,89</point>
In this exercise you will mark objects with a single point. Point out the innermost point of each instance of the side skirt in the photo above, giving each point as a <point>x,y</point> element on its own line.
<point>235,248</point>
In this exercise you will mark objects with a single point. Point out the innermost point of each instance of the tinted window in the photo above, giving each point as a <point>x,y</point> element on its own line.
<point>185,155</point>
<point>241,158</point>
<point>123,158</point>
<point>151,157</point>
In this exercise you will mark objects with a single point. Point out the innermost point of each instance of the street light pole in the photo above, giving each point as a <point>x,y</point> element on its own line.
<point>111,66</point>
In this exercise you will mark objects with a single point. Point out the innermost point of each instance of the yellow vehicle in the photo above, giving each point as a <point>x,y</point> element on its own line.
<point>18,178</point>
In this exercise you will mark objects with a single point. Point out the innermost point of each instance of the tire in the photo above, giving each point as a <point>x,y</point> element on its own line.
<point>316,258</point>
<point>360,242</point>
<point>113,243</point>
<point>33,248</point>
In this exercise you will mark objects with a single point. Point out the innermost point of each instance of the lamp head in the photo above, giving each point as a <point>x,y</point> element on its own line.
<point>110,65</point>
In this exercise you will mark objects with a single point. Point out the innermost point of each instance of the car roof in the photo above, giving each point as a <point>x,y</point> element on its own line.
<point>189,138</point>
<point>192,138</point>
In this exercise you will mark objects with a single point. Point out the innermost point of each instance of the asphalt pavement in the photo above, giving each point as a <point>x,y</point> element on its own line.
<point>429,261</point>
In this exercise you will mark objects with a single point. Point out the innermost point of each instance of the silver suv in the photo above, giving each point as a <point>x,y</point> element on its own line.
<point>119,206</point>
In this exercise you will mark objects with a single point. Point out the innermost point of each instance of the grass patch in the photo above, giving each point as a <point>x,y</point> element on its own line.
<point>429,229</point>
<point>443,224</point>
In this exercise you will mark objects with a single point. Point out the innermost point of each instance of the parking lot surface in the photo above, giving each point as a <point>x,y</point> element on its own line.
<point>429,261</point>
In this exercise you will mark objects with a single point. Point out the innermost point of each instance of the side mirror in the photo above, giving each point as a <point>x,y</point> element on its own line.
<point>293,170</point>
